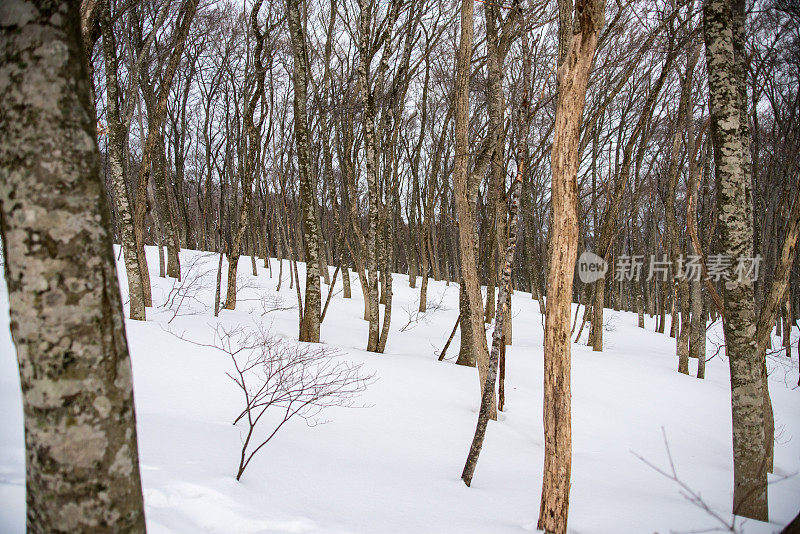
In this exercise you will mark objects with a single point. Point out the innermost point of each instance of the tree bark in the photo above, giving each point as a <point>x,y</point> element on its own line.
<point>736,240</point>
<point>186,16</point>
<point>309,330</point>
<point>82,466</point>
<point>502,314</point>
<point>464,205</point>
<point>371,164</point>
<point>678,276</point>
<point>573,75</point>
<point>116,158</point>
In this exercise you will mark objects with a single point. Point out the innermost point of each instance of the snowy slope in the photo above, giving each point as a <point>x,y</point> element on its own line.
<point>394,465</point>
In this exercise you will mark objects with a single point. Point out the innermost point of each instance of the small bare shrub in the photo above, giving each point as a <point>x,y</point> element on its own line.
<point>186,291</point>
<point>287,378</point>
<point>415,316</point>
<point>275,303</point>
<point>721,522</point>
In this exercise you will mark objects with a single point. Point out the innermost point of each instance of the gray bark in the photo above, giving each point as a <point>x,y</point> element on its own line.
<point>736,240</point>
<point>116,157</point>
<point>66,317</point>
<point>309,330</point>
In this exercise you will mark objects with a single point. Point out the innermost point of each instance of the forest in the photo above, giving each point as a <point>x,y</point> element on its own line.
<point>353,256</point>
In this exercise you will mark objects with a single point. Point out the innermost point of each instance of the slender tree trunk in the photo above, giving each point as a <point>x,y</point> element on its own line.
<point>465,206</point>
<point>309,330</point>
<point>82,465</point>
<point>498,344</point>
<point>153,133</point>
<point>676,252</point>
<point>371,163</point>
<point>778,288</point>
<point>787,329</point>
<point>169,226</point>
<point>573,75</point>
<point>596,331</point>
<point>116,157</point>
<point>640,309</point>
<point>450,339</point>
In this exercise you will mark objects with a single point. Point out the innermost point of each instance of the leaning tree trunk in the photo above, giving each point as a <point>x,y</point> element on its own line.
<point>573,75</point>
<point>736,240</point>
<point>503,309</point>
<point>309,330</point>
<point>82,465</point>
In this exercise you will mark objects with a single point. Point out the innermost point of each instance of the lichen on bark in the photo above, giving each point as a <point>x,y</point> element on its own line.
<point>64,300</point>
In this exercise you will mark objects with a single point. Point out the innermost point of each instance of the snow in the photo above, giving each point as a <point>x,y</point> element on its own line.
<point>394,464</point>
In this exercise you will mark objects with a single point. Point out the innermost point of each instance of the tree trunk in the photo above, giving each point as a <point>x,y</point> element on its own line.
<point>185,18</point>
<point>787,329</point>
<point>697,337</point>
<point>596,330</point>
<point>169,226</point>
<point>82,465</point>
<point>736,240</point>
<point>676,252</point>
<point>498,344</point>
<point>116,158</point>
<point>466,356</point>
<point>309,330</point>
<point>465,206</point>
<point>573,75</point>
<point>371,164</point>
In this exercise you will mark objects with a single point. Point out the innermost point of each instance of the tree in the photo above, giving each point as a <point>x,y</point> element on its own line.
<point>254,148</point>
<point>720,21</point>
<point>503,299</point>
<point>465,204</point>
<point>65,306</point>
<point>573,75</point>
<point>116,157</point>
<point>153,147</point>
<point>309,329</point>
<point>673,237</point>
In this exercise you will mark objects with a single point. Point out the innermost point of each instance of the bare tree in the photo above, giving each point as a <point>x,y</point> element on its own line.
<point>309,328</point>
<point>503,299</point>
<point>473,315</point>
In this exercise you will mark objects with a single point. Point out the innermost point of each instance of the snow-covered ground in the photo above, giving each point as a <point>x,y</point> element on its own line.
<point>394,466</point>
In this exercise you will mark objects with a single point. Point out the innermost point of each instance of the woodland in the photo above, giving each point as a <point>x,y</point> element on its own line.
<point>306,190</point>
